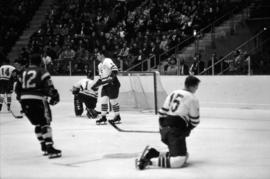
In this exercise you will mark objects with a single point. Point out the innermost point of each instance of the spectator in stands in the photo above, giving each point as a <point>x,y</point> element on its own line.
<point>67,54</point>
<point>134,50</point>
<point>123,55</point>
<point>197,66</point>
<point>82,54</point>
<point>172,66</point>
<point>162,67</point>
<point>155,50</point>
<point>164,43</point>
<point>183,68</point>
<point>125,22</point>
<point>76,70</point>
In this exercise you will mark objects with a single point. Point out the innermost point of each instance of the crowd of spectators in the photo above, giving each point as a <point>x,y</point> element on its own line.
<point>129,30</point>
<point>74,29</point>
<point>14,18</point>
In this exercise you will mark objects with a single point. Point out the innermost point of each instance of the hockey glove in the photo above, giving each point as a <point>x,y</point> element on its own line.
<point>96,85</point>
<point>75,90</point>
<point>55,98</point>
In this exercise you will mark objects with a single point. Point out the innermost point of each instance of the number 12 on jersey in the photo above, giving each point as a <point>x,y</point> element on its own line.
<point>28,79</point>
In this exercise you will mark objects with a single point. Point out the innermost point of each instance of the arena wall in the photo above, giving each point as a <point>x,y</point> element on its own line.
<point>214,91</point>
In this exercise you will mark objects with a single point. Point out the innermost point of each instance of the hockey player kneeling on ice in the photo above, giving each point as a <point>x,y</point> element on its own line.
<point>83,94</point>
<point>33,89</point>
<point>110,87</point>
<point>177,117</point>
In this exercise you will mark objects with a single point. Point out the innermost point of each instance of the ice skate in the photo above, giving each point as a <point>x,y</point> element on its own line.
<point>102,121</point>
<point>116,119</point>
<point>53,153</point>
<point>142,161</point>
<point>44,148</point>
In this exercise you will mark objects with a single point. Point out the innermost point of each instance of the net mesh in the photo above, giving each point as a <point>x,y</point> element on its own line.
<point>138,91</point>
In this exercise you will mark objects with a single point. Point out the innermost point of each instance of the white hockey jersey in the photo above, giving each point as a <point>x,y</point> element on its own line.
<point>184,104</point>
<point>6,72</point>
<point>85,87</point>
<point>106,67</point>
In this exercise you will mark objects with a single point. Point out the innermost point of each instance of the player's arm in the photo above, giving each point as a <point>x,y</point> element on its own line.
<point>18,90</point>
<point>110,78</point>
<point>103,81</point>
<point>14,76</point>
<point>51,91</point>
<point>194,114</point>
<point>77,87</point>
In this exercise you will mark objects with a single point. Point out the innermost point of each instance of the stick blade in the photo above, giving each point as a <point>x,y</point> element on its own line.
<point>114,125</point>
<point>130,131</point>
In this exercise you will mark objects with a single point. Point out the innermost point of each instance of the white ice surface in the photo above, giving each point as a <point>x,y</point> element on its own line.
<point>229,143</point>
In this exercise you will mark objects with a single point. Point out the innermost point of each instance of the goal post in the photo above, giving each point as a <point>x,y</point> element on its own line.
<point>141,91</point>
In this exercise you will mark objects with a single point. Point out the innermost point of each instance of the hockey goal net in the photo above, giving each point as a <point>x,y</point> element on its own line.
<point>141,91</point>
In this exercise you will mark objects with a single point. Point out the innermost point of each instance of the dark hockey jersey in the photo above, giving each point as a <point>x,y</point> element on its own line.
<point>34,83</point>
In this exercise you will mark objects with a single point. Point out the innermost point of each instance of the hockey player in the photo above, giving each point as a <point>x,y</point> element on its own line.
<point>110,87</point>
<point>84,94</point>
<point>7,79</point>
<point>178,116</point>
<point>33,90</point>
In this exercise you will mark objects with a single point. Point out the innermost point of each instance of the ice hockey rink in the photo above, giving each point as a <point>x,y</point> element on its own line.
<point>232,140</point>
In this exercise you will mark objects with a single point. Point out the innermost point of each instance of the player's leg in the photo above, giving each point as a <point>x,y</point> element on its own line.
<point>78,105</point>
<point>47,132</point>
<point>38,132</point>
<point>177,155</point>
<point>33,112</point>
<point>167,161</point>
<point>90,103</point>
<point>2,97</point>
<point>39,114</point>
<point>9,92</point>
<point>104,105</point>
<point>175,158</point>
<point>47,135</point>
<point>104,109</point>
<point>113,95</point>
<point>145,158</point>
<point>163,160</point>
<point>116,110</point>
<point>8,101</point>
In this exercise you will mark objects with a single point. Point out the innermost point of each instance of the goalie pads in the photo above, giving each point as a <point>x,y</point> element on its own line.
<point>78,106</point>
<point>55,98</point>
<point>91,113</point>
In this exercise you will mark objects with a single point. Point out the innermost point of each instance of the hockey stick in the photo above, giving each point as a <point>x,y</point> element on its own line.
<point>13,114</point>
<point>16,116</point>
<point>131,131</point>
